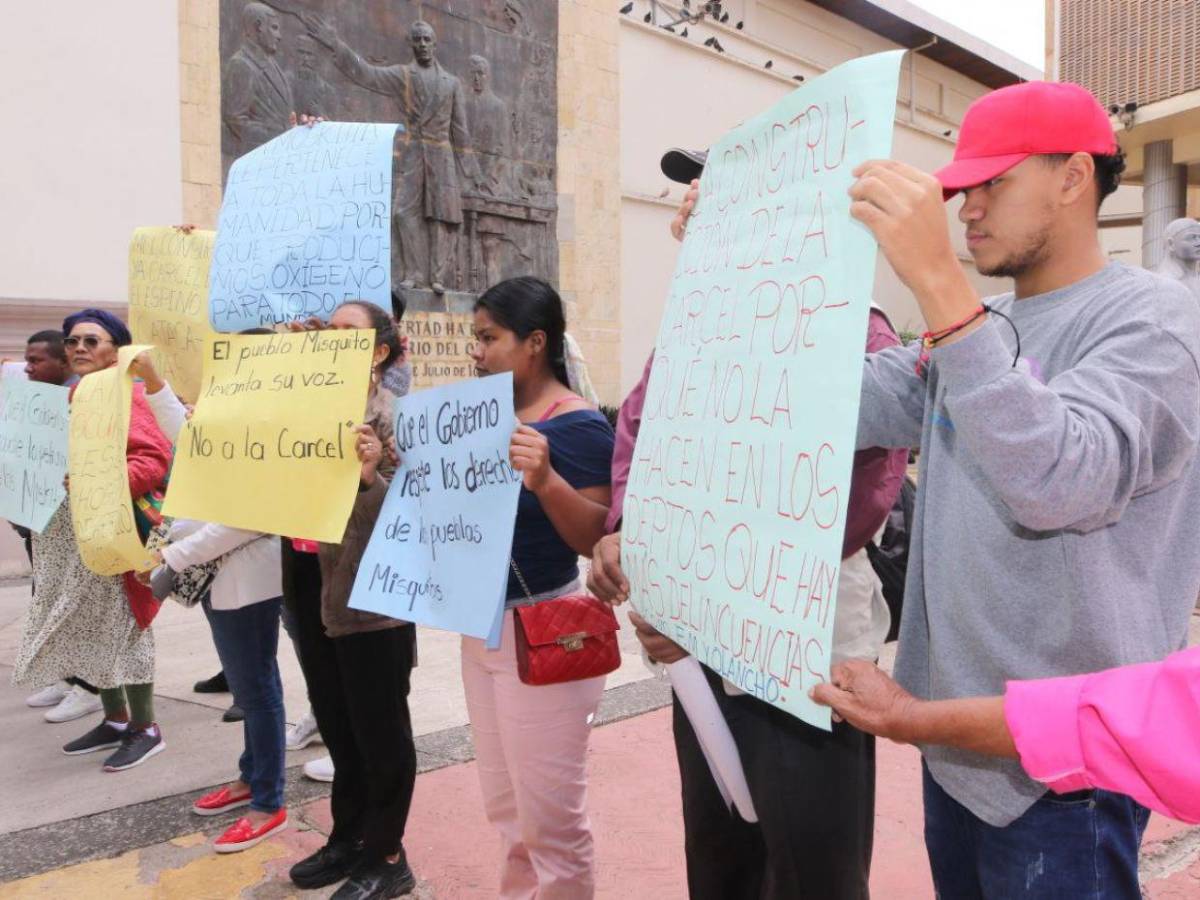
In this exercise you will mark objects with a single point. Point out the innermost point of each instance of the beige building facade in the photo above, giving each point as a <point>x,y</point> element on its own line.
<point>1141,58</point>
<point>675,91</point>
<point>115,111</point>
<point>124,100</point>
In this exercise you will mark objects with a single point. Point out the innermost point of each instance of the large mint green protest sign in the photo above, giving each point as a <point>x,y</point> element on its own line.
<point>736,504</point>
<point>33,450</point>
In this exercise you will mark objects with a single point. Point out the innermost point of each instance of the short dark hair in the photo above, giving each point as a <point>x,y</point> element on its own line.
<point>53,339</point>
<point>1109,168</point>
<point>524,305</point>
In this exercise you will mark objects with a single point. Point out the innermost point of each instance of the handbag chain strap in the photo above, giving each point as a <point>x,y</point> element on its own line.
<point>520,579</point>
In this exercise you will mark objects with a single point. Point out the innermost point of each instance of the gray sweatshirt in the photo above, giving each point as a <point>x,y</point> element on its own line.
<point>1057,526</point>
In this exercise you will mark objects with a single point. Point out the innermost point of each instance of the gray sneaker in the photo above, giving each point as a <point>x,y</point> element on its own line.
<point>103,737</point>
<point>136,748</point>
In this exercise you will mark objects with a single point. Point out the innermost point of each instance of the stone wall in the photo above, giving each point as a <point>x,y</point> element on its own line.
<point>589,185</point>
<point>588,181</point>
<point>200,111</point>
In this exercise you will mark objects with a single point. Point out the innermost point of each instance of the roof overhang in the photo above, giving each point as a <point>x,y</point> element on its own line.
<point>911,26</point>
<point>1176,119</point>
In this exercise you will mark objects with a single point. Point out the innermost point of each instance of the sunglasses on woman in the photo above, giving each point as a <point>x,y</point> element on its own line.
<point>88,340</point>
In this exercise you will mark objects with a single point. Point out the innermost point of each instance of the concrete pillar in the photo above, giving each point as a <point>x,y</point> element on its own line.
<point>1164,198</point>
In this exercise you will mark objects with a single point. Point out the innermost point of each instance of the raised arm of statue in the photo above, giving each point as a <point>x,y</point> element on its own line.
<point>380,79</point>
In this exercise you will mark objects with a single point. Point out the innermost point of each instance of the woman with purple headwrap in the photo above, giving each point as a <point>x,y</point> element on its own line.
<point>90,626</point>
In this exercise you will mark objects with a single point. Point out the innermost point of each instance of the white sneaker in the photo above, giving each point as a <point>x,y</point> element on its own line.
<point>48,696</point>
<point>303,733</point>
<point>75,705</point>
<point>319,769</point>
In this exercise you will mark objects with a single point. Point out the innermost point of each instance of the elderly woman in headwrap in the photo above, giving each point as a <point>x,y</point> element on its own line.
<point>91,626</point>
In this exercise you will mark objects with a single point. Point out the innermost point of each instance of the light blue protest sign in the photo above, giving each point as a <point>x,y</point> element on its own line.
<point>736,502</point>
<point>439,554</point>
<point>305,225</point>
<point>33,450</point>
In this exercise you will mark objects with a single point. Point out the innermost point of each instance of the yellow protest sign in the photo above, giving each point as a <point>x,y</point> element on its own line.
<point>168,301</point>
<point>270,446</point>
<point>101,505</point>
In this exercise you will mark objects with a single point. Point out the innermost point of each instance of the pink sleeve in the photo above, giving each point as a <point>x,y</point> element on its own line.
<point>628,422</point>
<point>1134,730</point>
<point>878,473</point>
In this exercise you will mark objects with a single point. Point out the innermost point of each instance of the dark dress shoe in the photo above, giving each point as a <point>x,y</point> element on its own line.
<point>377,881</point>
<point>327,866</point>
<point>215,685</point>
<point>233,714</point>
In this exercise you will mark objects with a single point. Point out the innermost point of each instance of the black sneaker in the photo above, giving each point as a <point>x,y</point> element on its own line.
<point>233,714</point>
<point>215,685</point>
<point>103,737</point>
<point>327,866</point>
<point>375,881</point>
<point>136,748</point>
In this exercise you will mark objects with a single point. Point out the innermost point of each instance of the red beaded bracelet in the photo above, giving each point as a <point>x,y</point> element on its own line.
<point>930,339</point>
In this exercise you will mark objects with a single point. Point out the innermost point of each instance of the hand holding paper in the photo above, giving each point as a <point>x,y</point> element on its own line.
<point>905,210</point>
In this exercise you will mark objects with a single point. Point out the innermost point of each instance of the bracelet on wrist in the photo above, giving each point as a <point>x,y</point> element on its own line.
<point>930,339</point>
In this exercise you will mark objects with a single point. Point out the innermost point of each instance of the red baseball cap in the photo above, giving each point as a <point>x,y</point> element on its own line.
<point>1014,123</point>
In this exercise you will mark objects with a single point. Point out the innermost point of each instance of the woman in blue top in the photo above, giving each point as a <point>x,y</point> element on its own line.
<point>531,741</point>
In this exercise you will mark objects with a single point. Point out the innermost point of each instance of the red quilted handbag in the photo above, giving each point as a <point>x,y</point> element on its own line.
<point>564,639</point>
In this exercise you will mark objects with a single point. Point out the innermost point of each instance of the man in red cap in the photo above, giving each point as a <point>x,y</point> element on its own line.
<point>1059,484</point>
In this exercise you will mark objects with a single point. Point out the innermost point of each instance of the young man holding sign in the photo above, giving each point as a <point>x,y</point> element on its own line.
<point>1058,427</point>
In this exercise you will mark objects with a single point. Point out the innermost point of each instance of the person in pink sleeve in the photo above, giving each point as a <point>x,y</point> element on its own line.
<point>1134,729</point>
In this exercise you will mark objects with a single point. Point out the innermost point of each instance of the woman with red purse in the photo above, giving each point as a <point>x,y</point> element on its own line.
<point>530,709</point>
<point>97,627</point>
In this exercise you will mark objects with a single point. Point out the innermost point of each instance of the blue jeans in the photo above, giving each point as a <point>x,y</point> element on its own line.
<point>246,641</point>
<point>1083,844</point>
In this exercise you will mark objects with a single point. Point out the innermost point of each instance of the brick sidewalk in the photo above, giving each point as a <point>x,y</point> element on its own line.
<point>639,835</point>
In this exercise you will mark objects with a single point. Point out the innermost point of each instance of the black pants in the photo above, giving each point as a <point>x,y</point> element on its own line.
<point>814,792</point>
<point>358,686</point>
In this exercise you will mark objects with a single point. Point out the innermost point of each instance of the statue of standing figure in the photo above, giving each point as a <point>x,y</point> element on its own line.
<point>311,92</point>
<point>492,134</point>
<point>433,162</point>
<point>491,130</point>
<point>1181,261</point>
<point>257,94</point>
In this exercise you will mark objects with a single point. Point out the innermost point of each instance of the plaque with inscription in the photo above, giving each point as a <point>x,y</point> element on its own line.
<point>473,180</point>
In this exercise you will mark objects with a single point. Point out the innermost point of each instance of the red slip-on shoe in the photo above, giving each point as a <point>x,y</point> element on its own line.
<point>220,801</point>
<point>241,835</point>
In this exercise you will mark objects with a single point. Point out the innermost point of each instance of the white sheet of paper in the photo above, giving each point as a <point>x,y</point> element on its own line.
<point>696,697</point>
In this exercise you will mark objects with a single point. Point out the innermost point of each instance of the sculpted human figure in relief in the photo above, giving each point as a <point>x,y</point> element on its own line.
<point>1181,260</point>
<point>434,164</point>
<point>257,93</point>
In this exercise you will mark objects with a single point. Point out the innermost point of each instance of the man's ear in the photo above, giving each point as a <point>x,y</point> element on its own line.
<point>1078,177</point>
